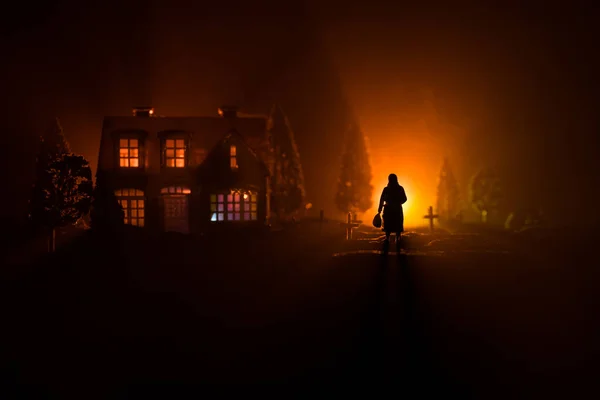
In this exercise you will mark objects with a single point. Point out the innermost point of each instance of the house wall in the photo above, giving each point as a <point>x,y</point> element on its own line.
<point>207,171</point>
<point>216,176</point>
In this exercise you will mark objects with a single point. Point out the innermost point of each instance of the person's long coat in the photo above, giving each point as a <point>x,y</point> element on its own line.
<point>391,201</point>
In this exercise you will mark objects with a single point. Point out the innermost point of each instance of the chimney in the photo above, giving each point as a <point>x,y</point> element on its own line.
<point>228,111</point>
<point>143,112</point>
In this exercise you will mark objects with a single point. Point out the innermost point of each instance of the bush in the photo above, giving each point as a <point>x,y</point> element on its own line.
<point>106,213</point>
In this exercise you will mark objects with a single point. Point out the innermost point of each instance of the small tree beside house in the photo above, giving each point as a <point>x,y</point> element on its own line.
<point>61,194</point>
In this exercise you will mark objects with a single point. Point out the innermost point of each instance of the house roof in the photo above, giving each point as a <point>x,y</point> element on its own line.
<point>206,131</point>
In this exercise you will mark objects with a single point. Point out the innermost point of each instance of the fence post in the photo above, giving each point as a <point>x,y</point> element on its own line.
<point>349,227</point>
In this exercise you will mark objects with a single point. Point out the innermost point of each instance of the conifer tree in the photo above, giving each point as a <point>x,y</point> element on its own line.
<point>448,196</point>
<point>288,178</point>
<point>486,193</point>
<point>354,191</point>
<point>61,193</point>
<point>52,145</point>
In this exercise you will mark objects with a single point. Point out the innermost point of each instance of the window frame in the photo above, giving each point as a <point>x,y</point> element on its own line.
<point>129,148</point>
<point>234,207</point>
<point>138,135</point>
<point>177,189</point>
<point>137,196</point>
<point>165,137</point>
<point>233,157</point>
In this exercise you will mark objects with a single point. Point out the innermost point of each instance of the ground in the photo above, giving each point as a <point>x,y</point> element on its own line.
<point>477,315</point>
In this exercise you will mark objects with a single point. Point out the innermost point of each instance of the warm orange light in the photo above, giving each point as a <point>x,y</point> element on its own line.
<point>417,180</point>
<point>414,150</point>
<point>410,212</point>
<point>245,196</point>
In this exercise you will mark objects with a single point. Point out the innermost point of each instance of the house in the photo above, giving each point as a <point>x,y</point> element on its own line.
<point>189,174</point>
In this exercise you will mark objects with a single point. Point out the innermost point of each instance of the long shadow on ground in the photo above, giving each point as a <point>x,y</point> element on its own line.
<point>140,312</point>
<point>380,319</point>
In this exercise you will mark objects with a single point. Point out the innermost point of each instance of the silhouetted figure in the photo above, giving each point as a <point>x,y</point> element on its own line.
<point>391,200</point>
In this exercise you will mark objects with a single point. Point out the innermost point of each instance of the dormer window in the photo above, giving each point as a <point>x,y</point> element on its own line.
<point>175,153</point>
<point>129,153</point>
<point>233,157</point>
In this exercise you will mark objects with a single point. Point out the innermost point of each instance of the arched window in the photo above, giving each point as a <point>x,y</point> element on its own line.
<point>132,201</point>
<point>175,190</point>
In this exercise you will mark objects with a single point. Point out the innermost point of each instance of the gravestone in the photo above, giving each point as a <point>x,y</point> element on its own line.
<point>431,216</point>
<point>350,224</point>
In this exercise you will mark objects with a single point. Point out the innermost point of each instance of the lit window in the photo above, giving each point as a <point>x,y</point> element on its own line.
<point>129,153</point>
<point>250,207</point>
<point>217,207</point>
<point>132,201</point>
<point>234,207</point>
<point>175,153</point>
<point>175,190</point>
<point>233,157</point>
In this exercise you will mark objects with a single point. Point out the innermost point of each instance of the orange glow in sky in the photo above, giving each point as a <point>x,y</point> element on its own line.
<point>416,161</point>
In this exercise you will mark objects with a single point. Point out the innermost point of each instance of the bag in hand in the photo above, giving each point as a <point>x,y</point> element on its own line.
<point>377,221</point>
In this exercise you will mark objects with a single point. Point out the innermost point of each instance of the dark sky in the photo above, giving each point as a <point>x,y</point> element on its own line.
<point>512,87</point>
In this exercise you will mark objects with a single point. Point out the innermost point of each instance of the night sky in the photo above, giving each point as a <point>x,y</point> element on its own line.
<point>514,87</point>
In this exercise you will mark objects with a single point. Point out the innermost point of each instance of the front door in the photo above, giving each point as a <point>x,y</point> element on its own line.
<point>176,213</point>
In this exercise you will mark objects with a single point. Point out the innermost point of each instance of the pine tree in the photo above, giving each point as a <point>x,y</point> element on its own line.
<point>448,195</point>
<point>486,193</point>
<point>52,146</point>
<point>355,191</point>
<point>61,193</point>
<point>53,142</point>
<point>288,178</point>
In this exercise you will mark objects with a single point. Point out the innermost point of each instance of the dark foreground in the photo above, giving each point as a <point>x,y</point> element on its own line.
<point>141,316</point>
